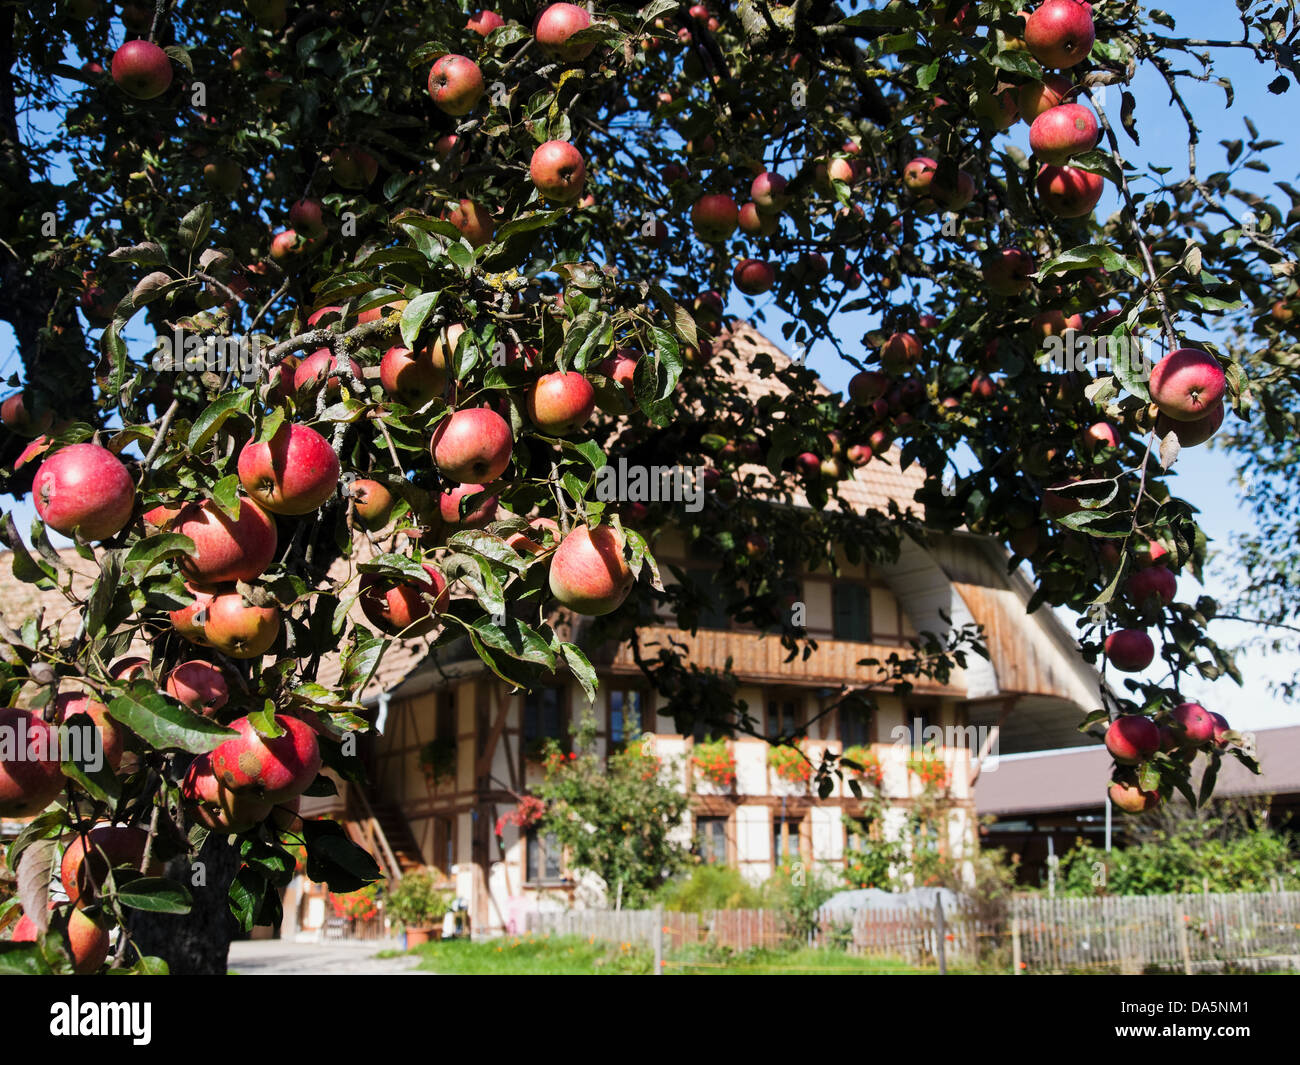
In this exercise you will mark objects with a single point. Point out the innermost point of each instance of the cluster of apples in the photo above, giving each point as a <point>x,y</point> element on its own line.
<point>1134,739</point>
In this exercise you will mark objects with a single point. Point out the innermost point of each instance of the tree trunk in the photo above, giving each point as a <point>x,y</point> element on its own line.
<point>196,943</point>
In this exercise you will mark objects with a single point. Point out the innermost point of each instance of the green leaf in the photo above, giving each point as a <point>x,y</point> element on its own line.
<point>194,227</point>
<point>580,666</point>
<point>156,895</point>
<point>334,860</point>
<point>164,724</point>
<point>26,568</point>
<point>225,493</point>
<point>215,416</point>
<point>402,567</point>
<point>147,553</point>
<point>415,314</point>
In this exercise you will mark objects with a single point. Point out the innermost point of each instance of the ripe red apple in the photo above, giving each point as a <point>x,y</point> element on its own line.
<point>200,685</point>
<point>1067,191</point>
<point>900,353</point>
<point>352,167</point>
<point>1221,728</point>
<point>541,534</point>
<point>753,276</point>
<point>142,69</point>
<point>589,574</point>
<point>85,868</point>
<point>84,490</point>
<point>307,217</point>
<point>226,549</point>
<point>1191,433</point>
<point>756,224</point>
<point>1132,799</point>
<point>558,170</point>
<point>473,221</point>
<point>215,806</point>
<point>1060,33</point>
<point>1130,650</point>
<point>1062,132</point>
<point>412,377</point>
<point>16,415</point>
<point>112,742</point>
<point>239,629</point>
<point>449,507</point>
<point>1192,723</point>
<point>559,403</point>
<point>1187,384</point>
<point>128,669</point>
<point>372,502</point>
<point>286,246</point>
<point>30,779</point>
<point>317,369</point>
<point>998,110</point>
<point>404,606</point>
<point>1132,738</point>
<point>373,314</point>
<point>918,175</point>
<point>620,368</point>
<point>808,463</point>
<point>190,620</point>
<point>1008,271</point>
<point>768,192</point>
<point>1100,434</point>
<point>715,217</point>
<point>473,444</point>
<point>983,387</point>
<point>275,768</point>
<point>556,25</point>
<point>867,385</point>
<point>485,22</point>
<point>953,195</point>
<point>292,473</point>
<point>1154,585</point>
<point>456,84</point>
<point>86,939</point>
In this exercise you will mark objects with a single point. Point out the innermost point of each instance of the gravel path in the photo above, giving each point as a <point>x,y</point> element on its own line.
<point>275,957</point>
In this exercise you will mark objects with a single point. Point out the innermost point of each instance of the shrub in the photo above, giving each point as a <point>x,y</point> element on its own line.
<point>418,900</point>
<point>710,887</point>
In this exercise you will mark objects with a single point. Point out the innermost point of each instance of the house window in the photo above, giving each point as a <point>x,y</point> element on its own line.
<point>544,715</point>
<point>542,855</point>
<point>785,840</point>
<point>851,608</point>
<point>711,839</point>
<point>855,726</point>
<point>627,716</point>
<point>782,718</point>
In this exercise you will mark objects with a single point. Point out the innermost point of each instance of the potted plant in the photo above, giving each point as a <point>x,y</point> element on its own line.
<point>715,763</point>
<point>438,760</point>
<point>418,903</point>
<point>865,765</point>
<point>789,764</point>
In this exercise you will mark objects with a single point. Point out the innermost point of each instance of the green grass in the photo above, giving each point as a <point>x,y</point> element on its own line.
<point>574,956</point>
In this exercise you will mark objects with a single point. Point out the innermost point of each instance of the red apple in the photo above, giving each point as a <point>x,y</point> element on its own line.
<point>142,69</point>
<point>715,217</point>
<point>559,403</point>
<point>1037,97</point>
<point>753,276</point>
<point>30,778</point>
<point>472,445</point>
<point>558,171</point>
<point>1100,434</point>
<point>1067,191</point>
<point>111,741</point>
<point>276,768</point>
<point>1008,272</point>
<point>485,22</point>
<point>86,939</point>
<point>1221,728</point>
<point>756,224</point>
<point>768,192</point>
<point>473,221</point>
<point>867,385</point>
<point>200,685</point>
<point>404,606</point>
<point>900,352</point>
<point>1132,799</point>
<point>84,490</point>
<point>352,167</point>
<point>372,501</point>
<point>239,629</point>
<point>1189,434</point>
<point>1192,723</point>
<point>1132,738</point>
<point>412,378</point>
<point>955,195</point>
<point>226,549</point>
<point>1062,132</point>
<point>541,534</point>
<point>215,806</point>
<point>918,175</point>
<point>1060,33</point>
<point>1187,384</point>
<point>292,473</point>
<point>1055,323</point>
<point>317,369</point>
<point>449,507</point>
<point>189,621</point>
<point>307,217</point>
<point>589,574</point>
<point>1130,650</point>
<point>1154,585</point>
<point>456,84</point>
<point>86,862</point>
<point>556,25</point>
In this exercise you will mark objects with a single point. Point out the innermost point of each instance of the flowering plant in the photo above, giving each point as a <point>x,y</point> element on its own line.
<point>715,762</point>
<point>360,905</point>
<point>641,758</point>
<point>529,812</point>
<point>930,768</point>
<point>867,768</point>
<point>789,764</point>
<point>438,760</point>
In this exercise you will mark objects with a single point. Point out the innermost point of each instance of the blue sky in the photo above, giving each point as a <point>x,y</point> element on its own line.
<point>1205,476</point>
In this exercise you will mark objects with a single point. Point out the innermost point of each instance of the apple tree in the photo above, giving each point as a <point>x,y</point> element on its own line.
<point>330,318</point>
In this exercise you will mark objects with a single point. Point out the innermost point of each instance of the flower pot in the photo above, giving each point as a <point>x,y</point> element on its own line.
<point>423,934</point>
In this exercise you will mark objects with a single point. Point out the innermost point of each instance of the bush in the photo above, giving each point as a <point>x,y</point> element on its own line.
<point>418,900</point>
<point>710,887</point>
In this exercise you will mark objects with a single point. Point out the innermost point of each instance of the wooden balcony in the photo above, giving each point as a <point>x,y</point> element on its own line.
<point>762,658</point>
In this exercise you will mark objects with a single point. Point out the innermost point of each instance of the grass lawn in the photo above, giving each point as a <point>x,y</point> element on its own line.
<point>574,956</point>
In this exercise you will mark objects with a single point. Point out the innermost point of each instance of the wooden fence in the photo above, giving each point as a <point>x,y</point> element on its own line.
<point>1034,934</point>
<point>1144,933</point>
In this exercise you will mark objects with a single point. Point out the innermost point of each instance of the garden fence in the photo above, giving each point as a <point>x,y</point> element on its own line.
<point>1030,934</point>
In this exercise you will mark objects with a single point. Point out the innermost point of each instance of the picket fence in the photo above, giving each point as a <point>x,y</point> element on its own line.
<point>1031,934</point>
